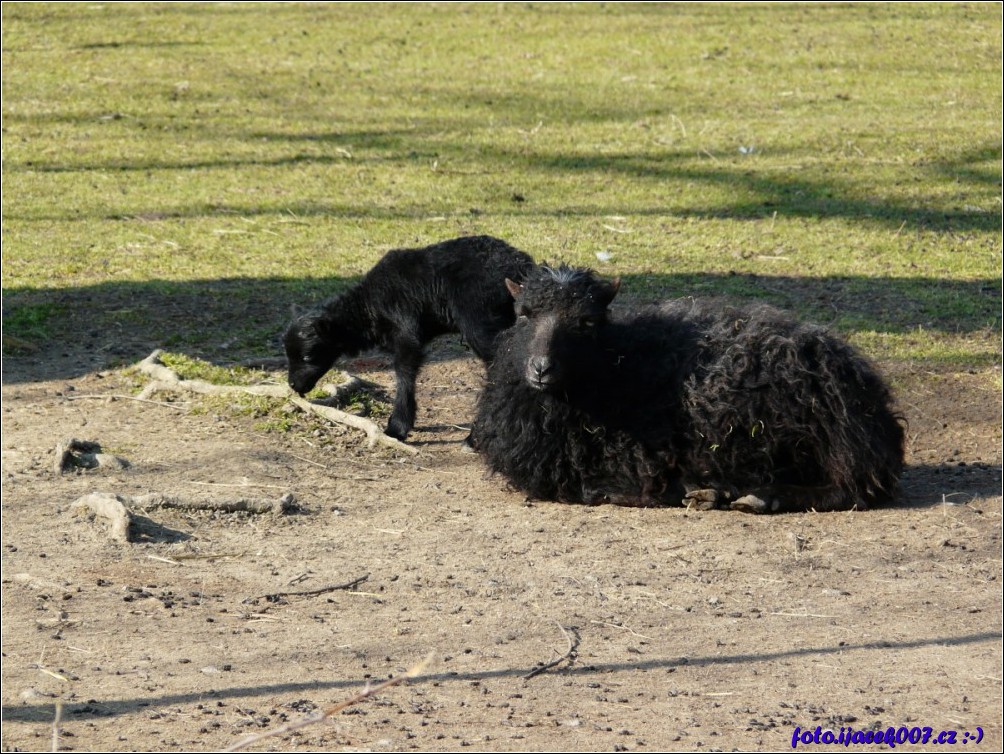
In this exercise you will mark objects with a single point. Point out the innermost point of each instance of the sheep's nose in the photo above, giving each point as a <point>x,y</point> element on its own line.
<point>296,387</point>
<point>540,371</point>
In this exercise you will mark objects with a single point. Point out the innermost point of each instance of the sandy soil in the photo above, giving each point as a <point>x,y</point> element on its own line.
<point>695,631</point>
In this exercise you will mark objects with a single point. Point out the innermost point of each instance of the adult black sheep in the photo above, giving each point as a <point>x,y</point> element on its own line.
<point>690,401</point>
<point>407,299</point>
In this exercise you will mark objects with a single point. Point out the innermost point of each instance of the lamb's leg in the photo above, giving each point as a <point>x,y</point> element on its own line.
<point>407,362</point>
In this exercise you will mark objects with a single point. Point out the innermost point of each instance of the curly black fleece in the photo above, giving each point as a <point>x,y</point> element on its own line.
<point>644,406</point>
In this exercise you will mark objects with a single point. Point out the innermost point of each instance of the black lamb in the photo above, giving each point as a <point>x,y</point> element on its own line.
<point>410,297</point>
<point>691,401</point>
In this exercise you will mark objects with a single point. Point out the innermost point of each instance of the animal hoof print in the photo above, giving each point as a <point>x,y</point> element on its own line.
<point>753,504</point>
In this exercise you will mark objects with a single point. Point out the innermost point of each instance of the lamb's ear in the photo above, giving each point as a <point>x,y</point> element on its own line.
<point>514,288</point>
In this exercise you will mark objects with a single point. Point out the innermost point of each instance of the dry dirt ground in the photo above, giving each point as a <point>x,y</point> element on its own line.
<point>710,631</point>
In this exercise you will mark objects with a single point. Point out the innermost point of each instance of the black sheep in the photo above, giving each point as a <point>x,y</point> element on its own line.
<point>687,402</point>
<point>410,297</point>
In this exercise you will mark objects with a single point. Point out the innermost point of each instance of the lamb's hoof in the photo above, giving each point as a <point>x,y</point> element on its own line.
<point>397,428</point>
<point>754,504</point>
<point>703,500</point>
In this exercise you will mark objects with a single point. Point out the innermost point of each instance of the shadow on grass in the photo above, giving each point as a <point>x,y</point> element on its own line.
<point>62,333</point>
<point>762,190</point>
<point>772,196</point>
<point>790,194</point>
<point>45,712</point>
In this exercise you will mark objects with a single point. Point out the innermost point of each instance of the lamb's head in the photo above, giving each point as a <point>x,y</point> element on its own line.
<point>559,314</point>
<point>312,346</point>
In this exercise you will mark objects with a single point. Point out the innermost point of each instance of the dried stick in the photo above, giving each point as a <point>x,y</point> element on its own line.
<point>373,432</point>
<point>118,397</point>
<point>166,379</point>
<point>367,692</point>
<point>573,644</point>
<point>622,628</point>
<point>310,592</point>
<point>245,485</point>
<point>55,725</point>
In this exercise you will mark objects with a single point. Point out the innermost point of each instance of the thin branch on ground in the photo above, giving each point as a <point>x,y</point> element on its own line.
<point>275,597</point>
<point>118,397</point>
<point>373,432</point>
<point>55,725</point>
<point>324,714</point>
<point>573,645</point>
<point>243,485</point>
<point>307,460</point>
<point>622,628</point>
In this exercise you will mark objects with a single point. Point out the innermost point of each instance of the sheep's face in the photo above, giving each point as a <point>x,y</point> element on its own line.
<point>310,352</point>
<point>559,314</point>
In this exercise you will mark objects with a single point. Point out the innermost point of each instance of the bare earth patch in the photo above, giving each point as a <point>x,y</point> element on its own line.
<point>659,628</point>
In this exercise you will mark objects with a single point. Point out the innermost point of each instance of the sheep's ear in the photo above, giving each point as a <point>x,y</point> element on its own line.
<point>514,288</point>
<point>610,291</point>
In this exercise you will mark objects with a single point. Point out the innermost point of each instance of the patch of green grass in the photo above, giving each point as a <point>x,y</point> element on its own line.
<point>268,414</point>
<point>204,166</point>
<point>252,406</point>
<point>29,323</point>
<point>245,406</point>
<point>280,424</point>
<point>929,350</point>
<point>364,403</point>
<point>188,368</point>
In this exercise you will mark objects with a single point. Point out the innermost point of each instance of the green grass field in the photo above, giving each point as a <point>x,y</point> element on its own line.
<point>189,170</point>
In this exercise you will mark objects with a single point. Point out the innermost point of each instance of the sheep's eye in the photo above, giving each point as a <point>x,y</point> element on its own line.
<point>589,322</point>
